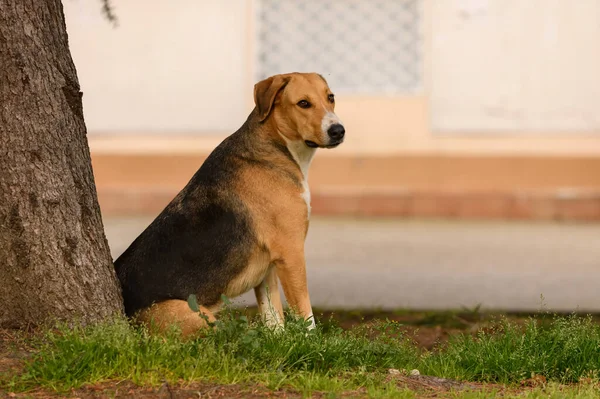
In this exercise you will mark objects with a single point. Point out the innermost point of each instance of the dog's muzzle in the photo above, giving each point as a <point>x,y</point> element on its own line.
<point>336,133</point>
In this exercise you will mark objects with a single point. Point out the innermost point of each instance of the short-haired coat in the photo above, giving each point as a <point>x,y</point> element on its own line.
<point>241,221</point>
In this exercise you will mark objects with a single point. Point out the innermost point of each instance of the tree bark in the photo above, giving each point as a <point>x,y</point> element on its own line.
<point>55,263</point>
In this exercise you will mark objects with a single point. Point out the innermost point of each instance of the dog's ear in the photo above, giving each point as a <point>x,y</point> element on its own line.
<point>265,93</point>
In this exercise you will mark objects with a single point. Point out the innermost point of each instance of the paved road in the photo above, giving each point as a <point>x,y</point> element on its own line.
<point>439,264</point>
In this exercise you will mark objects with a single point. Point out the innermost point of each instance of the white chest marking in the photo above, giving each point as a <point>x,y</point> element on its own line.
<point>306,195</point>
<point>303,156</point>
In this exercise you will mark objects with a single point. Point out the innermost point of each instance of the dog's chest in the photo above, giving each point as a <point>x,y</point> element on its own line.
<point>303,156</point>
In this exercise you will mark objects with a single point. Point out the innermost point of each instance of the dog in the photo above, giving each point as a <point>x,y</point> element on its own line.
<point>241,221</point>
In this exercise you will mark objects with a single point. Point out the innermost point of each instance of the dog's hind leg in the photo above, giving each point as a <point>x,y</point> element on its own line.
<point>162,315</point>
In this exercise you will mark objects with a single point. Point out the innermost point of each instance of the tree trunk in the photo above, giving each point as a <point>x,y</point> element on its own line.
<point>54,258</point>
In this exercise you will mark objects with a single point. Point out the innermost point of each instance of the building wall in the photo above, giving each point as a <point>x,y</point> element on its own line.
<point>507,66</point>
<point>170,67</point>
<point>501,120</point>
<point>499,77</point>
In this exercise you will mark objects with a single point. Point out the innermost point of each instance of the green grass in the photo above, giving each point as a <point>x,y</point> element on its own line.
<point>328,359</point>
<point>237,351</point>
<point>561,349</point>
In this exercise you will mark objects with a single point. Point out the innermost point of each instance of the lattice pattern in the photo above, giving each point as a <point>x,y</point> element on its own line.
<point>360,46</point>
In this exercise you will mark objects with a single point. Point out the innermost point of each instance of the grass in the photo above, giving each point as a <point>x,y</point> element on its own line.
<point>235,352</point>
<point>560,349</point>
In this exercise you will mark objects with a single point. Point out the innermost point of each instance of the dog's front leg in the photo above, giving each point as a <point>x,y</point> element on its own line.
<point>269,300</point>
<point>292,273</point>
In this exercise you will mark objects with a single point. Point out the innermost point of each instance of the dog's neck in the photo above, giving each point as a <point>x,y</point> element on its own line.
<point>301,153</point>
<point>297,150</point>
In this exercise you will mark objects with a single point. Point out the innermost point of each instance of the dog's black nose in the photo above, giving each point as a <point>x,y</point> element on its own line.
<point>336,131</point>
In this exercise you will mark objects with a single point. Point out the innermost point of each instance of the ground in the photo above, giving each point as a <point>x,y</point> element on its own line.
<point>423,386</point>
<point>430,330</point>
<point>395,264</point>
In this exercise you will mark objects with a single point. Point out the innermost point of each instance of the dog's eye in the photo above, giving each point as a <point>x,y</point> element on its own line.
<point>331,98</point>
<point>304,104</point>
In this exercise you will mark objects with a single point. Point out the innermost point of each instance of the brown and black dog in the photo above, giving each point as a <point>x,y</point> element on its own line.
<point>241,221</point>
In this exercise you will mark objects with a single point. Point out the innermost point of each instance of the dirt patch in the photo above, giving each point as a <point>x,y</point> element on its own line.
<point>423,386</point>
<point>126,389</point>
<point>12,352</point>
<point>428,386</point>
<point>428,330</point>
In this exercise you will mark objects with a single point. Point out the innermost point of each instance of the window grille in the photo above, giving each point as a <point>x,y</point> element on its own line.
<point>359,46</point>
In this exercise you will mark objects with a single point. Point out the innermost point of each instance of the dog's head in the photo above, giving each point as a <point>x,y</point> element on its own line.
<point>301,106</point>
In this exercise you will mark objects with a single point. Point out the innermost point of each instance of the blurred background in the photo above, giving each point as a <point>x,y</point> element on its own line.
<point>470,174</point>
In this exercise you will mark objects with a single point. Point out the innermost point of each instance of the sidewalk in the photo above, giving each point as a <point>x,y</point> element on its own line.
<point>395,263</point>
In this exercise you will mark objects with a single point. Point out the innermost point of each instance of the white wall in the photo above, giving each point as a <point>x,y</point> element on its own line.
<point>515,65</point>
<point>169,67</point>
<point>509,66</point>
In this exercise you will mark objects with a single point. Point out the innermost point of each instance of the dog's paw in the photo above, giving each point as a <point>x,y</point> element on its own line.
<point>312,325</point>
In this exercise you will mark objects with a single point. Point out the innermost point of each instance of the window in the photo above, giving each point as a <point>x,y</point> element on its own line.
<point>359,46</point>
